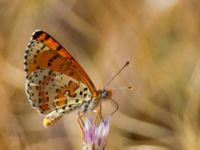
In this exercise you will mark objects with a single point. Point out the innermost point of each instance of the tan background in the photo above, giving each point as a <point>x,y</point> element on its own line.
<point>161,39</point>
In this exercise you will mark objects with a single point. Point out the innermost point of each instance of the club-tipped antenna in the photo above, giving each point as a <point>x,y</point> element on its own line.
<point>125,87</point>
<point>125,65</point>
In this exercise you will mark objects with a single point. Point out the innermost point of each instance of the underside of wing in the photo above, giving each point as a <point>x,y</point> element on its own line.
<point>50,90</point>
<point>45,52</point>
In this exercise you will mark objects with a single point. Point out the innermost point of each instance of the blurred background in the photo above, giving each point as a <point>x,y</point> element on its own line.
<point>160,39</point>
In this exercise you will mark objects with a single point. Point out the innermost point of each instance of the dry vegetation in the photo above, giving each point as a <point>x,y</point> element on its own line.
<point>160,39</point>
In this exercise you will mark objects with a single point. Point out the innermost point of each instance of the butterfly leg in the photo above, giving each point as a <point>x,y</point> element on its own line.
<point>80,121</point>
<point>82,114</point>
<point>98,113</point>
<point>116,108</point>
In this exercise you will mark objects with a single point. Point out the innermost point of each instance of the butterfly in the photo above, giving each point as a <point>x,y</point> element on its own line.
<point>56,84</point>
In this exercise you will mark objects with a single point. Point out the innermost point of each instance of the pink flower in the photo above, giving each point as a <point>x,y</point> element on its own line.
<point>95,135</point>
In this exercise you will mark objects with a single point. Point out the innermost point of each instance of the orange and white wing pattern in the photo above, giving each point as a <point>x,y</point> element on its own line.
<point>56,83</point>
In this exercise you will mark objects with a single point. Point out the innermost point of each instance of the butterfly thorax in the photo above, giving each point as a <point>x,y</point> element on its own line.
<point>101,95</point>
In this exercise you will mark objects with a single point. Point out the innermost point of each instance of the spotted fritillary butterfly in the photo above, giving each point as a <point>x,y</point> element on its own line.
<point>56,84</point>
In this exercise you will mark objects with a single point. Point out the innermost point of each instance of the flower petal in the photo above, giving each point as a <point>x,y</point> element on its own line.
<point>88,130</point>
<point>101,131</point>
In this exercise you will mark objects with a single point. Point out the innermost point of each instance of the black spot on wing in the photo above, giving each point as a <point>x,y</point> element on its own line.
<point>37,34</point>
<point>47,37</point>
<point>59,48</point>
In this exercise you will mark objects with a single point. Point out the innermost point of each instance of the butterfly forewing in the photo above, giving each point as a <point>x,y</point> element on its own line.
<point>56,83</point>
<point>45,52</point>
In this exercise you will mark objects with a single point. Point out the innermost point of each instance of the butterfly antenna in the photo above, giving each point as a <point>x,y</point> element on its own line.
<point>125,87</point>
<point>126,64</point>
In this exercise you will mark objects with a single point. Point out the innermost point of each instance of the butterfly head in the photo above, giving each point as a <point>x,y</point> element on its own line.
<point>105,93</point>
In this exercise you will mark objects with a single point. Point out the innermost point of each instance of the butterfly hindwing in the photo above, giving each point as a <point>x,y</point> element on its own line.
<point>49,90</point>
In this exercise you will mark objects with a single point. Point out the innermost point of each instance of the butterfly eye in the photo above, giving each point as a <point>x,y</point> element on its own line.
<point>104,93</point>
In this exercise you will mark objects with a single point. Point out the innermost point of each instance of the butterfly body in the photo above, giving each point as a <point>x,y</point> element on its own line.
<point>56,83</point>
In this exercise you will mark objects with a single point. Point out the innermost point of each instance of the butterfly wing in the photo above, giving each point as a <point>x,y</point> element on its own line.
<point>56,83</point>
<point>45,52</point>
<point>54,93</point>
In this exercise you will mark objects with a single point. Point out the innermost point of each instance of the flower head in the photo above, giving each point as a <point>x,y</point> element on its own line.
<point>95,135</point>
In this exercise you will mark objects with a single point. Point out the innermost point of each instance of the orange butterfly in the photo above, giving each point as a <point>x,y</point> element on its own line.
<point>56,83</point>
